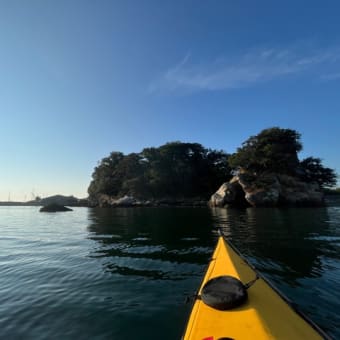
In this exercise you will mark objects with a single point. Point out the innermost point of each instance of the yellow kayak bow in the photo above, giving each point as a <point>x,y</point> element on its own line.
<point>264,313</point>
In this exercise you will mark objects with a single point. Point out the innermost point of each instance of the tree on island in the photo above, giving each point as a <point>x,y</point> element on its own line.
<point>269,173</point>
<point>176,169</point>
<point>314,171</point>
<point>275,150</point>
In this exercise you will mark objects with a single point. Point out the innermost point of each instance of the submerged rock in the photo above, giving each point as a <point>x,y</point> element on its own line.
<point>53,207</point>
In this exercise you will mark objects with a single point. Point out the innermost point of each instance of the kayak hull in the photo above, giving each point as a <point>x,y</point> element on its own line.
<point>265,315</point>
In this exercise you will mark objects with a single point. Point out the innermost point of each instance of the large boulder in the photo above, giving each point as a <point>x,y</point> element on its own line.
<point>103,200</point>
<point>228,193</point>
<point>53,207</point>
<point>267,189</point>
<point>126,201</point>
<point>263,197</point>
<point>264,190</point>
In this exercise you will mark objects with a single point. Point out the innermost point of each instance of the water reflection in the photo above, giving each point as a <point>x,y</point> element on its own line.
<point>297,249</point>
<point>286,242</point>
<point>279,240</point>
<point>161,225</point>
<point>157,244</point>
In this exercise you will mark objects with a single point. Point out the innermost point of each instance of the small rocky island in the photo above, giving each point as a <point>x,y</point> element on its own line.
<point>268,172</point>
<point>54,207</point>
<point>264,171</point>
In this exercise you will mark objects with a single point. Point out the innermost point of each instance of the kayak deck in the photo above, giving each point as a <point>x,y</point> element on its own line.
<point>266,315</point>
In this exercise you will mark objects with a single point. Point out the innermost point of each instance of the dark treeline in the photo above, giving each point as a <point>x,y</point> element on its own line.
<point>177,170</point>
<point>185,170</point>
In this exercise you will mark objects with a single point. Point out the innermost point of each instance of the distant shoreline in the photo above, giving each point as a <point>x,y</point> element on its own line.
<point>30,204</point>
<point>82,204</point>
<point>59,199</point>
<point>6,203</point>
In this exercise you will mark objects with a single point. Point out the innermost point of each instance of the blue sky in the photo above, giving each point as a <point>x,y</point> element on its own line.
<point>79,79</point>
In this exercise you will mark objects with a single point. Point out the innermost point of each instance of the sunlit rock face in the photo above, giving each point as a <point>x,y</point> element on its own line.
<point>230,193</point>
<point>268,189</point>
<point>103,200</point>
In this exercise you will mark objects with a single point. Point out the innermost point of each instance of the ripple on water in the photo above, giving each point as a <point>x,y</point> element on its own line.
<point>141,239</point>
<point>93,273</point>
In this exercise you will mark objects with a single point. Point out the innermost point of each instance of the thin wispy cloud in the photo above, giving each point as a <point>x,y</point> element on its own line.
<point>248,69</point>
<point>331,76</point>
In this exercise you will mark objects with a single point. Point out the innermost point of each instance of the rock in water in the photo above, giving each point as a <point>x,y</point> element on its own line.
<point>54,208</point>
<point>267,190</point>
<point>229,193</point>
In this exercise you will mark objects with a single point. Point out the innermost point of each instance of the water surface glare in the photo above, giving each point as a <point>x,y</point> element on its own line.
<point>125,273</point>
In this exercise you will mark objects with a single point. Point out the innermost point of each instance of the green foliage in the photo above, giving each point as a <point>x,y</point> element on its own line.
<point>314,171</point>
<point>104,175</point>
<point>273,150</point>
<point>176,169</point>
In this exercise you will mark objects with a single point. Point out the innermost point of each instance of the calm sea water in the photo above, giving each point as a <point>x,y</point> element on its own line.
<point>125,273</point>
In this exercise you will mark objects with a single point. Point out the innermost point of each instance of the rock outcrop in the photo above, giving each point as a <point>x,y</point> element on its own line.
<point>103,200</point>
<point>54,208</point>
<point>268,189</point>
<point>294,192</point>
<point>229,193</point>
<point>125,201</point>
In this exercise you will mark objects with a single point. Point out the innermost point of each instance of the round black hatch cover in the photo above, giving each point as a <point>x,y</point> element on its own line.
<point>224,292</point>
